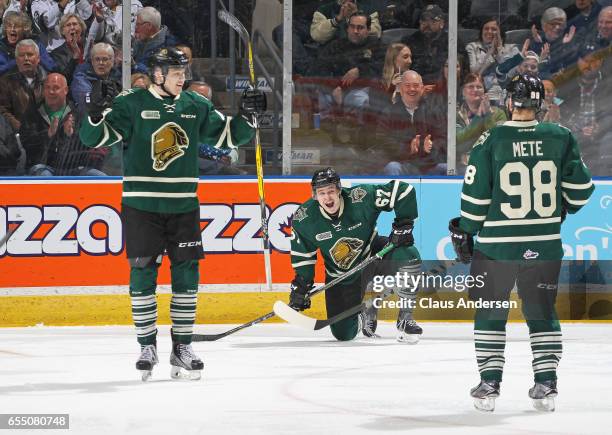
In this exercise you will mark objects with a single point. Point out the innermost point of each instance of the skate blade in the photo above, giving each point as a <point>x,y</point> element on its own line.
<point>485,405</point>
<point>184,374</point>
<point>546,404</point>
<point>408,338</point>
<point>145,375</point>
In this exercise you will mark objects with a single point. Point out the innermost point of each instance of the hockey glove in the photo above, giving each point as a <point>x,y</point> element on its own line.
<point>299,299</point>
<point>253,102</point>
<point>100,98</point>
<point>463,243</point>
<point>401,235</point>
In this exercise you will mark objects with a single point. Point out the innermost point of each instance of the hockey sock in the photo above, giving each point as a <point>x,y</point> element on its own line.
<point>490,343</point>
<point>546,347</point>
<point>185,278</point>
<point>144,304</point>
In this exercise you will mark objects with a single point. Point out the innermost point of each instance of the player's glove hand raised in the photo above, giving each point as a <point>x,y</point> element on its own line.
<point>401,234</point>
<point>299,299</point>
<point>100,98</point>
<point>253,102</point>
<point>463,243</point>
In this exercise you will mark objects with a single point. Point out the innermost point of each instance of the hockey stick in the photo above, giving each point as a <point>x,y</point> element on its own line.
<point>360,266</point>
<point>235,24</point>
<point>288,314</point>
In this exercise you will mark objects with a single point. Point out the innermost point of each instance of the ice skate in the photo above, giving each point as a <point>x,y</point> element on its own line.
<point>484,395</point>
<point>543,395</point>
<point>408,330</point>
<point>368,322</point>
<point>146,361</point>
<point>185,364</point>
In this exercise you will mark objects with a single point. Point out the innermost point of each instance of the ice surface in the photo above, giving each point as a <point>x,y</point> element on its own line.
<point>277,379</point>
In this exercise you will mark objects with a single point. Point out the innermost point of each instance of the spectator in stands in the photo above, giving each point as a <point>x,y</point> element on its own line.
<point>601,36</point>
<point>214,161</point>
<point>398,59</point>
<point>410,135</point>
<point>83,9</point>
<point>58,150</point>
<point>563,47</point>
<point>399,14</point>
<point>353,64</point>
<point>71,52</point>
<point>140,80</point>
<point>9,150</point>
<point>439,90</point>
<point>150,36</point>
<point>487,53</point>
<point>583,15</point>
<point>525,61</point>
<point>330,19</point>
<point>46,15</point>
<point>21,87</point>
<point>550,110</point>
<point>586,90</point>
<point>116,8</point>
<point>303,46</point>
<point>16,27</point>
<point>474,117</point>
<point>429,44</point>
<point>100,67</point>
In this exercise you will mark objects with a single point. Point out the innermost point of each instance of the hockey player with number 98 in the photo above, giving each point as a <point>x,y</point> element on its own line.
<point>340,223</point>
<point>161,128</point>
<point>521,180</point>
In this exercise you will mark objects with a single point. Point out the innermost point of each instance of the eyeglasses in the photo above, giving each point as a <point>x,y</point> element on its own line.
<point>101,59</point>
<point>474,87</point>
<point>11,26</point>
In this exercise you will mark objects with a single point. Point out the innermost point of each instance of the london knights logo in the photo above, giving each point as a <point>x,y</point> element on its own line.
<point>345,251</point>
<point>167,145</point>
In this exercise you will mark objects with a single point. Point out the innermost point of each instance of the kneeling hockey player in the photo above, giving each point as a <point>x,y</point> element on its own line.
<point>341,224</point>
<point>162,127</point>
<point>522,178</point>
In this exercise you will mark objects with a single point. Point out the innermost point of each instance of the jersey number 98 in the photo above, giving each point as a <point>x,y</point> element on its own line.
<point>530,184</point>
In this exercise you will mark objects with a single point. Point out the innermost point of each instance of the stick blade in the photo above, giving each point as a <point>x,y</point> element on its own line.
<point>296,318</point>
<point>234,23</point>
<point>206,337</point>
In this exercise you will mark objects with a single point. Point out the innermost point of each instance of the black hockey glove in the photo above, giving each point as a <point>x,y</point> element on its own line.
<point>401,235</point>
<point>253,102</point>
<point>100,98</point>
<point>299,299</point>
<point>463,243</point>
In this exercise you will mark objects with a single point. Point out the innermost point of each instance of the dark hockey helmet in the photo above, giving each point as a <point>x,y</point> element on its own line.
<point>166,58</point>
<point>324,177</point>
<point>526,91</point>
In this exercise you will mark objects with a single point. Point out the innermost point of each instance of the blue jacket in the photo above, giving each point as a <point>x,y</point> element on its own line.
<point>82,83</point>
<point>143,50</point>
<point>7,57</point>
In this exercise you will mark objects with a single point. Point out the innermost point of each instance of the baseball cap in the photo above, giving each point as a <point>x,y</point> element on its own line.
<point>432,12</point>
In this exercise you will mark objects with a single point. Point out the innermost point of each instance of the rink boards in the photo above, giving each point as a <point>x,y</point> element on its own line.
<point>65,264</point>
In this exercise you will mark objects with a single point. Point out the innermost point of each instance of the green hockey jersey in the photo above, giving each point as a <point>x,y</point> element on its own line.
<point>346,240</point>
<point>519,177</point>
<point>160,171</point>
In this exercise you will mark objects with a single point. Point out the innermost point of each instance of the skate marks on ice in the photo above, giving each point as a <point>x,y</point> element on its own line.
<point>79,387</point>
<point>384,415</point>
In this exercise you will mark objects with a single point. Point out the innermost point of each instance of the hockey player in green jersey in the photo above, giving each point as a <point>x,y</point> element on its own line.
<point>521,180</point>
<point>161,128</point>
<point>341,224</point>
